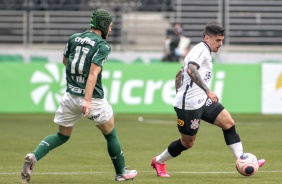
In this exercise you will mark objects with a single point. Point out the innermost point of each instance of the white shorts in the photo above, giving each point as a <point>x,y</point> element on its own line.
<point>69,111</point>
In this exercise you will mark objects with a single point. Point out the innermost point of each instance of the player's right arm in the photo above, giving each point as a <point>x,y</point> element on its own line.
<point>192,71</point>
<point>97,62</point>
<point>65,60</point>
<point>66,53</point>
<point>178,79</point>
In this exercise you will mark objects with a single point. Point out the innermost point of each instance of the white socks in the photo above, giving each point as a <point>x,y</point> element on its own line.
<point>237,149</point>
<point>163,157</point>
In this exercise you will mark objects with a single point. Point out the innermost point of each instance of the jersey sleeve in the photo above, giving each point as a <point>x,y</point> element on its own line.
<point>67,48</point>
<point>197,56</point>
<point>101,54</point>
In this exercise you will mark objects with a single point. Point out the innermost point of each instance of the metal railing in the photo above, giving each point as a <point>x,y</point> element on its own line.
<point>247,22</point>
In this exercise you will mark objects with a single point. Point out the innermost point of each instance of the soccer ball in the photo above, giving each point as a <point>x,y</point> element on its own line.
<point>247,164</point>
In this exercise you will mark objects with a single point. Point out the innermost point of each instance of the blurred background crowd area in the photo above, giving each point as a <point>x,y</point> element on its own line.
<point>141,25</point>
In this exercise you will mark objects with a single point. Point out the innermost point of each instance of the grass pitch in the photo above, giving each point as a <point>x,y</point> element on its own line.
<point>84,158</point>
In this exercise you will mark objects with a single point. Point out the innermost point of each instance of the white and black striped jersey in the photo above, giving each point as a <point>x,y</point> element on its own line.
<point>190,96</point>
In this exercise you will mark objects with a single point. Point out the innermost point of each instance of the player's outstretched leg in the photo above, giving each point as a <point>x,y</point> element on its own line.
<point>160,168</point>
<point>28,165</point>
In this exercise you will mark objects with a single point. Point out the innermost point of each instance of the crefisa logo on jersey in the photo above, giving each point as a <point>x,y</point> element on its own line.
<point>195,124</point>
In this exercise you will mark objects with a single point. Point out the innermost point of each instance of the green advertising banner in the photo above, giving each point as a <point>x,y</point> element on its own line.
<point>31,87</point>
<point>130,88</point>
<point>238,87</point>
<point>141,88</point>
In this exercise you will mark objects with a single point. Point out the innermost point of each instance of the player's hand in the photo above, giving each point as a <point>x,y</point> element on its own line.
<point>86,108</point>
<point>212,96</point>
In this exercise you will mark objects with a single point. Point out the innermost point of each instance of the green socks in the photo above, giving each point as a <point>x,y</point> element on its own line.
<point>49,143</point>
<point>115,152</point>
<point>53,141</point>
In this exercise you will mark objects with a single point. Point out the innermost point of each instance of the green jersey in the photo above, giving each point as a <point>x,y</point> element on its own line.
<point>81,50</point>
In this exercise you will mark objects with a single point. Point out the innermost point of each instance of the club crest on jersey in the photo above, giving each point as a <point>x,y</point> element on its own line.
<point>195,124</point>
<point>180,122</point>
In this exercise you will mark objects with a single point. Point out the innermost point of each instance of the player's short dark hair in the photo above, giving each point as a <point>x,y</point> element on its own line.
<point>214,29</point>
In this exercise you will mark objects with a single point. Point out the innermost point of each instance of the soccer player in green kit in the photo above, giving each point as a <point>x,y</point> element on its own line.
<point>84,57</point>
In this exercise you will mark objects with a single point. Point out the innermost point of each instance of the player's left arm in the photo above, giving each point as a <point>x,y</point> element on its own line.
<point>195,77</point>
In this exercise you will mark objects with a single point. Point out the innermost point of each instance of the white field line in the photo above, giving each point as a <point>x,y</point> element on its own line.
<point>97,173</point>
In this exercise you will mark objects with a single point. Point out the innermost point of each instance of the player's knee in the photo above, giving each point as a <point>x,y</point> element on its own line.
<point>230,123</point>
<point>63,138</point>
<point>112,135</point>
<point>187,143</point>
<point>226,123</point>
